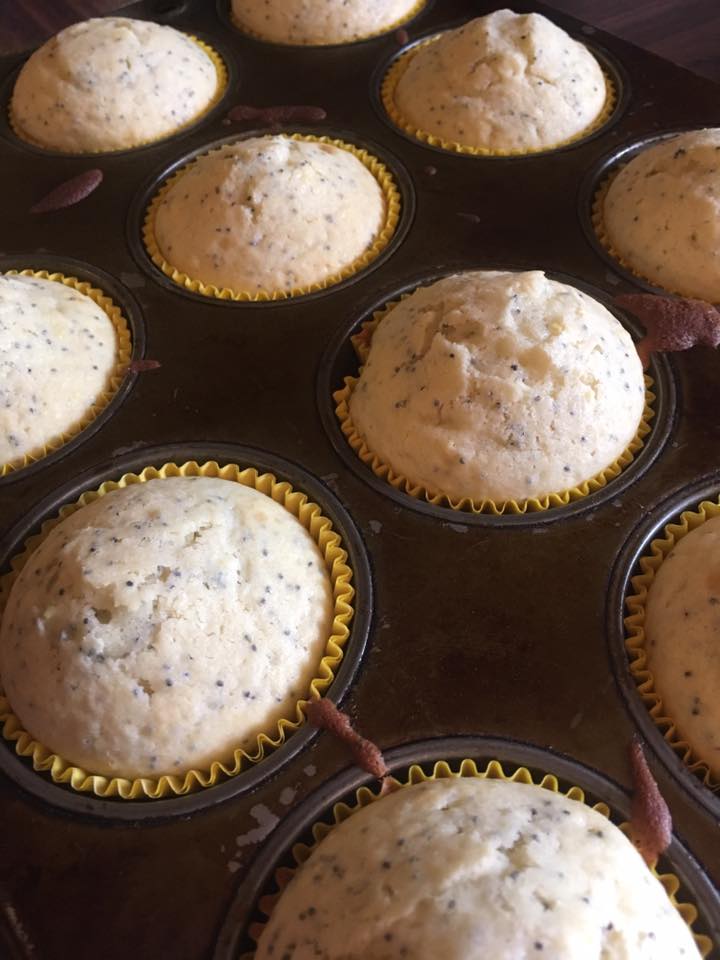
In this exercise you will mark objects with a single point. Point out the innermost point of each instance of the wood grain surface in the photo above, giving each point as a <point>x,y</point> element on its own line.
<point>684,31</point>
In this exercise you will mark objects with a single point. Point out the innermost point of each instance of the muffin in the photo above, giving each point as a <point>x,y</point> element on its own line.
<point>58,352</point>
<point>165,625</point>
<point>333,21</point>
<point>661,214</point>
<point>111,83</point>
<point>500,386</point>
<point>503,83</point>
<point>273,213</point>
<point>475,868</point>
<point>682,625</point>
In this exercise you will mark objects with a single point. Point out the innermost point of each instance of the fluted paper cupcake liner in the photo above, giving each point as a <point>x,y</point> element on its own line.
<point>329,542</point>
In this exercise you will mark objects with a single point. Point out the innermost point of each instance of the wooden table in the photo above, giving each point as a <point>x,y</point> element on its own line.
<point>684,31</point>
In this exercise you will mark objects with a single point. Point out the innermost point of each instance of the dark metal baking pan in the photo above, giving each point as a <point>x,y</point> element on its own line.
<point>490,628</point>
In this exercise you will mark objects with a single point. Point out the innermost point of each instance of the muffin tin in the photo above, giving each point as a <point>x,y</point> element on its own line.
<point>503,626</point>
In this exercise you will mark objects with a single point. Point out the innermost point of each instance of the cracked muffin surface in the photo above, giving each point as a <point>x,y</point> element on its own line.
<point>164,625</point>
<point>470,869</point>
<point>499,385</point>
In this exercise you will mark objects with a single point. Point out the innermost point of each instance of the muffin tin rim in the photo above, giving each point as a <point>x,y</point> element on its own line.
<point>509,751</point>
<point>662,426</point>
<point>635,546</point>
<point>64,798</point>
<point>149,187</point>
<point>608,63</point>
<point>131,310</point>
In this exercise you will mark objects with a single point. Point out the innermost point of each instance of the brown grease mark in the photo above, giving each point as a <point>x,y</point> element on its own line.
<point>402,37</point>
<point>650,820</point>
<point>324,714</point>
<point>272,115</point>
<point>69,192</point>
<point>672,324</point>
<point>140,366</point>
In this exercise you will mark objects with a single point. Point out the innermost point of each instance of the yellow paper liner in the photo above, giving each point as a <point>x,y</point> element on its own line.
<point>220,88</point>
<point>413,12</point>
<point>443,771</point>
<point>123,351</point>
<point>320,527</point>
<point>598,222</point>
<point>635,636</point>
<point>361,343</point>
<point>391,196</point>
<point>400,65</point>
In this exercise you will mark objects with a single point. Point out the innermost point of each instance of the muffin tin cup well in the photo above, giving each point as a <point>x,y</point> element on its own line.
<point>235,941</point>
<point>340,361</point>
<point>121,298</point>
<point>668,748</point>
<point>224,10</point>
<point>392,178</point>
<point>389,71</point>
<point>593,189</point>
<point>227,76</point>
<point>167,802</point>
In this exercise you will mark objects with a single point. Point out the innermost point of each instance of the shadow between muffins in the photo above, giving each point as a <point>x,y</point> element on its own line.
<point>69,799</point>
